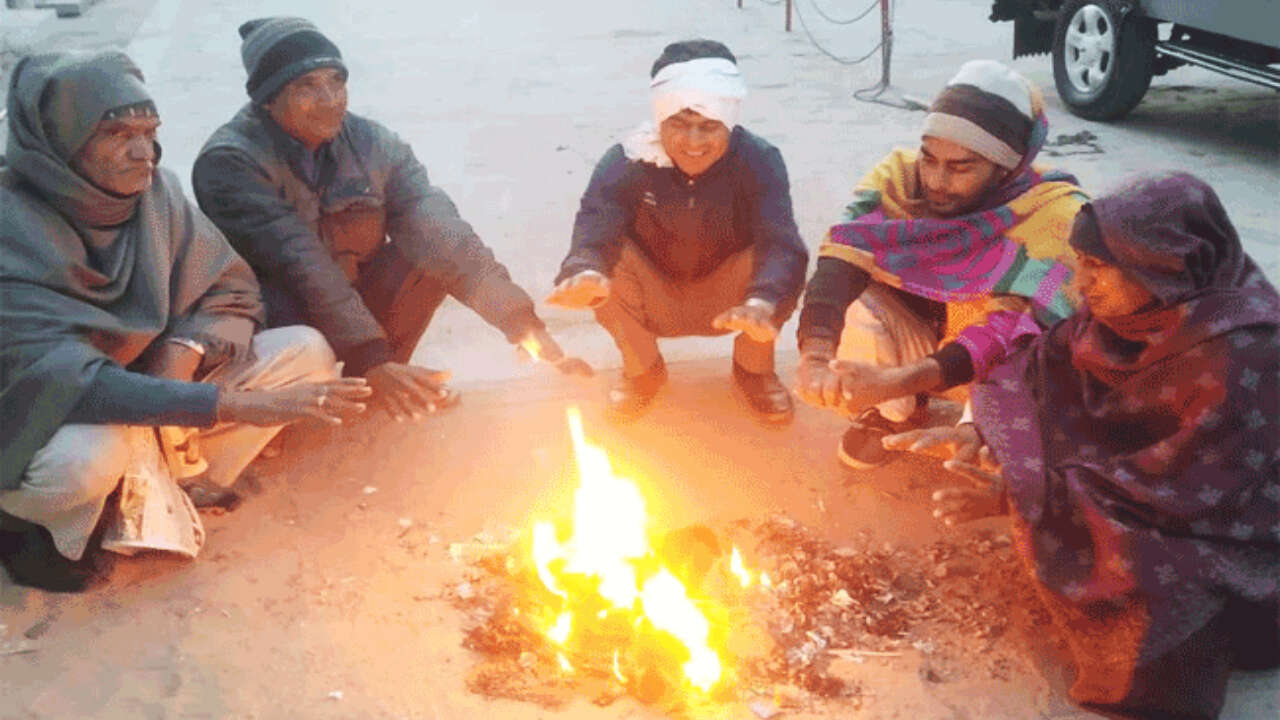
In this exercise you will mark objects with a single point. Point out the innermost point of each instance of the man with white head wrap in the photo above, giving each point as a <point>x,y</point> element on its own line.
<point>686,228</point>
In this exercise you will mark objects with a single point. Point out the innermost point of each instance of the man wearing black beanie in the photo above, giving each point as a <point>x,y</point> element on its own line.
<point>341,223</point>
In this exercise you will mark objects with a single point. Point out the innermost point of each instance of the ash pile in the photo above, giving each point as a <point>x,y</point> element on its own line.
<point>965,604</point>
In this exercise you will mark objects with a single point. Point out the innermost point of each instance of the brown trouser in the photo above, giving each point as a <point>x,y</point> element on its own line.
<point>644,304</point>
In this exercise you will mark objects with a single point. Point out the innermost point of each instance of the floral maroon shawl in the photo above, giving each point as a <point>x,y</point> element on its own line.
<point>1143,456</point>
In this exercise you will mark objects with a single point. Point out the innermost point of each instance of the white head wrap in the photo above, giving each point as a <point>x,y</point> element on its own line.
<point>710,86</point>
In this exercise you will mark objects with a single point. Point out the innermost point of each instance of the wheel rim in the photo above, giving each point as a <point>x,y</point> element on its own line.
<point>1090,50</point>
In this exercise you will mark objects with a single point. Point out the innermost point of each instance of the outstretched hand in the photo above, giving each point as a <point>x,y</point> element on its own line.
<point>959,443</point>
<point>586,289</point>
<point>406,392</point>
<point>863,385</point>
<point>754,318</point>
<point>329,402</point>
<point>985,498</point>
<point>816,383</point>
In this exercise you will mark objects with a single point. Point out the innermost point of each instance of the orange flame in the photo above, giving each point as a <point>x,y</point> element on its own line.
<point>609,537</point>
<point>738,569</point>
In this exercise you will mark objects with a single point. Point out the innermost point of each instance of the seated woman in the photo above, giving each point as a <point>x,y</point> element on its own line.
<point>1139,455</point>
<point>115,294</point>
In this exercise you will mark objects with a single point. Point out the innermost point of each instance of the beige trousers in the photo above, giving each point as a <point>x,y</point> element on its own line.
<point>879,329</point>
<point>644,305</point>
<point>69,479</point>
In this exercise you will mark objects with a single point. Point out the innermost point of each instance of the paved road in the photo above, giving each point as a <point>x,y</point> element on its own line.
<point>510,104</point>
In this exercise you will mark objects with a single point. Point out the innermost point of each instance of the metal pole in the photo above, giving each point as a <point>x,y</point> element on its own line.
<point>886,37</point>
<point>789,15</point>
<point>739,4</point>
<point>883,92</point>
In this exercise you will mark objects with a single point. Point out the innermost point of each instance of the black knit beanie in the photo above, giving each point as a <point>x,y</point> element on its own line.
<point>276,50</point>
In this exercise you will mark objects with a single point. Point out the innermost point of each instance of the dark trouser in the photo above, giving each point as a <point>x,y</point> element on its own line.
<point>399,292</point>
<point>644,304</point>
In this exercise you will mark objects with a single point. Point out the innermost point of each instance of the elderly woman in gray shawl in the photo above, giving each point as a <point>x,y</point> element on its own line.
<point>116,295</point>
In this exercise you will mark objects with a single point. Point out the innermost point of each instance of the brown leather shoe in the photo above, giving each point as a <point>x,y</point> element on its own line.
<point>765,395</point>
<point>631,397</point>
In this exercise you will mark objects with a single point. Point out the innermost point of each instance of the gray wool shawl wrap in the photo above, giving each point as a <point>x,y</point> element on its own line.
<point>88,278</point>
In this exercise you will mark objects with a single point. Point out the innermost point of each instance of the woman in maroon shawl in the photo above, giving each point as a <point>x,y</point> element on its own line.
<point>1140,455</point>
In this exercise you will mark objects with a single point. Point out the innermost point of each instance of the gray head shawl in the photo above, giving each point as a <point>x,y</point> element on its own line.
<point>55,101</point>
<point>87,277</point>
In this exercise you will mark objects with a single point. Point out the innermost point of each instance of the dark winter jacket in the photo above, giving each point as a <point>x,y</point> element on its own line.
<point>308,223</point>
<point>689,225</point>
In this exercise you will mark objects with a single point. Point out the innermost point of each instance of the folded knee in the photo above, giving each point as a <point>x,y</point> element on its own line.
<point>80,464</point>
<point>308,351</point>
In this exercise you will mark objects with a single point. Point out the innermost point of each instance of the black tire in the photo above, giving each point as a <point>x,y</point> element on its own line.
<point>1127,65</point>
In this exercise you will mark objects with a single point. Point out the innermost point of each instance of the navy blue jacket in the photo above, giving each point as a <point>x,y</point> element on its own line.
<point>689,226</point>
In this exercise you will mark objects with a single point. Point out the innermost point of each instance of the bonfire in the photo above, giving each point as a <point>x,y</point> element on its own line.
<point>602,604</point>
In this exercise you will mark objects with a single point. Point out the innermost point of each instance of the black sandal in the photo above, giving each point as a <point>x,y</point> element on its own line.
<point>205,494</point>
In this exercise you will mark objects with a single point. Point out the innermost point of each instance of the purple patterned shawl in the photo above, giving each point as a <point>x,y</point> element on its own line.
<point>1143,456</point>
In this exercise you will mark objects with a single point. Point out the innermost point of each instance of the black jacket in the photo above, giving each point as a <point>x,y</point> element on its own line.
<point>688,226</point>
<point>268,194</point>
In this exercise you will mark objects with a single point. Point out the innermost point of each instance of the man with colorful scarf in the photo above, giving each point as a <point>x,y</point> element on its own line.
<point>686,228</point>
<point>116,295</point>
<point>949,256</point>
<point>342,225</point>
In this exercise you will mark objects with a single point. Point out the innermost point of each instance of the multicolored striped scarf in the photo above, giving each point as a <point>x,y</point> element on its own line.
<point>991,251</point>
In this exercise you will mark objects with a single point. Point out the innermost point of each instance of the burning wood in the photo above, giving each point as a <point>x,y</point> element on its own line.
<point>604,608</point>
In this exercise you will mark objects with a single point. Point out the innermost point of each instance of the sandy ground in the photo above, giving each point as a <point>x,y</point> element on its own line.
<point>315,586</point>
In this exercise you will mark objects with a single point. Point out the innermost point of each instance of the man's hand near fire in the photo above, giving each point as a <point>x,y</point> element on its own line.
<point>582,291</point>
<point>816,383</point>
<point>406,392</point>
<point>329,402</point>
<point>864,385</point>
<point>849,386</point>
<point>753,318</point>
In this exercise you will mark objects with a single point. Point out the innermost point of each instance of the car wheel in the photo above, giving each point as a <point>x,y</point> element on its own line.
<point>1102,60</point>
